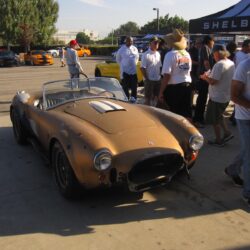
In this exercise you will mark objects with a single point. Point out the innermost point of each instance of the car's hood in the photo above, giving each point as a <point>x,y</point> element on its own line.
<point>110,115</point>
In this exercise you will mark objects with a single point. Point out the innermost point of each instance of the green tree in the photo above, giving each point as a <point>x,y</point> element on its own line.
<point>47,11</point>
<point>166,25</point>
<point>9,21</point>
<point>128,29</point>
<point>81,37</point>
<point>28,21</point>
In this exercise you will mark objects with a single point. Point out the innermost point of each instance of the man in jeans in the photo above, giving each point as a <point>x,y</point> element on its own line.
<point>151,71</point>
<point>240,93</point>
<point>72,59</point>
<point>127,57</point>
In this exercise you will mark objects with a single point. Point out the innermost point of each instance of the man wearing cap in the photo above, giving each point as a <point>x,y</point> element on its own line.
<point>151,71</point>
<point>72,59</point>
<point>244,53</point>
<point>127,57</point>
<point>219,81</point>
<point>175,86</point>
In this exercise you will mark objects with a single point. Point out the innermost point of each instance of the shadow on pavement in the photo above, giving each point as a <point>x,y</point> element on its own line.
<point>30,202</point>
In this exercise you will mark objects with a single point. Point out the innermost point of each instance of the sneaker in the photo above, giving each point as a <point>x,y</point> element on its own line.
<point>215,143</point>
<point>237,181</point>
<point>227,138</point>
<point>246,200</point>
<point>132,99</point>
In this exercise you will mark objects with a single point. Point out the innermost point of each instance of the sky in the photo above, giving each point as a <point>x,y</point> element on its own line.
<point>104,15</point>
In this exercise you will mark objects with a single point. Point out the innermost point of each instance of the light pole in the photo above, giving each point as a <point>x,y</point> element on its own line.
<point>158,24</point>
<point>112,37</point>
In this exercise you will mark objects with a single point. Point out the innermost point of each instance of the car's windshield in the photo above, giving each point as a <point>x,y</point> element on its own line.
<point>6,53</point>
<point>58,92</point>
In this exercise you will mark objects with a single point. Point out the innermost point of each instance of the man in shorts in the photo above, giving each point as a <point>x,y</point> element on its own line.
<point>219,81</point>
<point>151,71</point>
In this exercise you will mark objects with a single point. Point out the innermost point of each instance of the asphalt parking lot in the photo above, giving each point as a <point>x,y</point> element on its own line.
<point>205,212</point>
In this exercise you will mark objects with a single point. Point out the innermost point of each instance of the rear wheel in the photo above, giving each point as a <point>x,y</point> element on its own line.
<point>64,175</point>
<point>18,129</point>
<point>97,73</point>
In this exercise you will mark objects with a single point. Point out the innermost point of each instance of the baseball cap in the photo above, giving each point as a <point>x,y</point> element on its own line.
<point>73,42</point>
<point>218,47</point>
<point>154,39</point>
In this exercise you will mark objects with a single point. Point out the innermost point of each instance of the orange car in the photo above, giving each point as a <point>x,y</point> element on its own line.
<point>83,52</point>
<point>38,57</point>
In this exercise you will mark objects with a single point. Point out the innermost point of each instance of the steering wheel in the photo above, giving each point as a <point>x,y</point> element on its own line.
<point>106,91</point>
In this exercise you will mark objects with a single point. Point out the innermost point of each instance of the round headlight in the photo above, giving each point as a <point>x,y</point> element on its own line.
<point>102,160</point>
<point>196,142</point>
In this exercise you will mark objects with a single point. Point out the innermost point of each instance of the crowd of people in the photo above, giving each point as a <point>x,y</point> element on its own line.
<point>173,73</point>
<point>217,74</point>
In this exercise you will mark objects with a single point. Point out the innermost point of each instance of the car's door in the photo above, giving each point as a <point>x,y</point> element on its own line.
<point>111,70</point>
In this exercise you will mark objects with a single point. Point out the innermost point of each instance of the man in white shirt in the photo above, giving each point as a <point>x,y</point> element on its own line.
<point>219,81</point>
<point>127,57</point>
<point>72,59</point>
<point>240,94</point>
<point>175,86</point>
<point>151,71</point>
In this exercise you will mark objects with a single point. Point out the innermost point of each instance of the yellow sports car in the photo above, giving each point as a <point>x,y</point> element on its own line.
<point>38,57</point>
<point>83,52</point>
<point>93,137</point>
<point>112,69</point>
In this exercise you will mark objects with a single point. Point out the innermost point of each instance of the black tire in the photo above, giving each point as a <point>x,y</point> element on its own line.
<point>54,54</point>
<point>64,175</point>
<point>97,73</point>
<point>18,129</point>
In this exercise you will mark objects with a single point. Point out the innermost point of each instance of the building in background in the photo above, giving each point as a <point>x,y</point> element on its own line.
<point>66,36</point>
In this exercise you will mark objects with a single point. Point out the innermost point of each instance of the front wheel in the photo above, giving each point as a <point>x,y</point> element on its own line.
<point>18,129</point>
<point>64,175</point>
<point>97,73</point>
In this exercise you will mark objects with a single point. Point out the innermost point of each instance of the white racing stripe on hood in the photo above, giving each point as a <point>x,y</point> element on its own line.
<point>113,105</point>
<point>105,106</point>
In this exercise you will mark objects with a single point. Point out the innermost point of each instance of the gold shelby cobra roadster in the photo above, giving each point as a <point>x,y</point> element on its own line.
<point>93,137</point>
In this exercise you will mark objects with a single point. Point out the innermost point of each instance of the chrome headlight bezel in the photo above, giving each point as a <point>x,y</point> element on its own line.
<point>103,160</point>
<point>196,142</point>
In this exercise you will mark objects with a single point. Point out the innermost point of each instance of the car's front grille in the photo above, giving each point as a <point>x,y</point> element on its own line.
<point>155,167</point>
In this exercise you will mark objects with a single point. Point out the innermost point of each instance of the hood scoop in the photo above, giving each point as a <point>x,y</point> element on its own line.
<point>105,106</point>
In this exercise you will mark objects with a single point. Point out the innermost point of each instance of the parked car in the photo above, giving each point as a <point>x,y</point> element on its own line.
<point>93,137</point>
<point>111,68</point>
<point>83,52</point>
<point>54,52</point>
<point>38,57</point>
<point>9,58</point>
